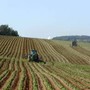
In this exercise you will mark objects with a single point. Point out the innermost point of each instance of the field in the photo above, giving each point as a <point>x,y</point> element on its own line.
<point>66,68</point>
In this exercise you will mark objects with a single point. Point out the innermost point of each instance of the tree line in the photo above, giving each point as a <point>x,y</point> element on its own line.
<point>76,37</point>
<point>8,31</point>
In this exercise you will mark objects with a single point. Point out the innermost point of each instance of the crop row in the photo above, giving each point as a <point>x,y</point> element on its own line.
<point>48,50</point>
<point>16,73</point>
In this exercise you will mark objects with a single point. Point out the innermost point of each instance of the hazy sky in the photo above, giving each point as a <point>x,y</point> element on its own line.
<point>44,18</point>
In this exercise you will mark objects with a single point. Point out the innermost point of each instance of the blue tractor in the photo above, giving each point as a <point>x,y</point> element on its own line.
<point>33,56</point>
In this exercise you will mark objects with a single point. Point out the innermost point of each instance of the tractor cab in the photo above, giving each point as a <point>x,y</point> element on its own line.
<point>33,52</point>
<point>33,56</point>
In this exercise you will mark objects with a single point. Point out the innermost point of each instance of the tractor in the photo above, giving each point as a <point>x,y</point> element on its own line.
<point>74,43</point>
<point>33,56</point>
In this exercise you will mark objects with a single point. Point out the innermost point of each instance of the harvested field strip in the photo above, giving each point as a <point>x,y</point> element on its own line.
<point>4,79</point>
<point>15,81</point>
<point>64,77</point>
<point>70,56</point>
<point>33,75</point>
<point>82,50</point>
<point>62,85</point>
<point>66,68</point>
<point>8,83</point>
<point>8,51</point>
<point>54,53</point>
<point>72,82</point>
<point>12,67</point>
<point>3,74</point>
<point>22,78</point>
<point>46,80</point>
<point>74,78</point>
<point>2,62</point>
<point>48,51</point>
<point>29,76</point>
<point>18,76</point>
<point>5,65</point>
<point>5,48</point>
<point>56,77</point>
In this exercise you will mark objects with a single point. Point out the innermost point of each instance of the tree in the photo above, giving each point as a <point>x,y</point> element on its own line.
<point>6,30</point>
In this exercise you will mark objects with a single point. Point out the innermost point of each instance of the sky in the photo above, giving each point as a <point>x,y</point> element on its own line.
<point>46,18</point>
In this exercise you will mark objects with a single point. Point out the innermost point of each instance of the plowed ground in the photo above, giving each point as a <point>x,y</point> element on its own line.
<point>66,68</point>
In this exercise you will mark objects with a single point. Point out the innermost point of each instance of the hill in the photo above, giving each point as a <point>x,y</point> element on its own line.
<point>66,68</point>
<point>71,38</point>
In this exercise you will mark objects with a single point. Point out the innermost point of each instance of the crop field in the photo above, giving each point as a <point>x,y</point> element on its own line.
<point>66,68</point>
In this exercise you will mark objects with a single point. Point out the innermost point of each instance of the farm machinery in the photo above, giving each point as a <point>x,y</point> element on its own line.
<point>33,56</point>
<point>74,43</point>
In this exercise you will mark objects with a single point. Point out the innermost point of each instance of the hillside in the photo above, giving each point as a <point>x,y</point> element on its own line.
<point>66,68</point>
<point>83,38</point>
